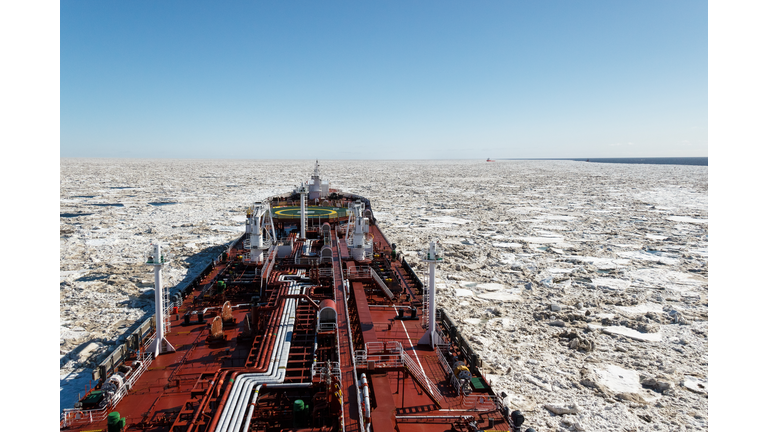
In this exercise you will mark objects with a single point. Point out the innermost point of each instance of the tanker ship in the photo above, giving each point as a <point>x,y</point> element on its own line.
<point>309,321</point>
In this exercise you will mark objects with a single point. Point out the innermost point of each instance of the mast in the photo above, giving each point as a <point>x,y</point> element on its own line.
<point>434,255</point>
<point>160,345</point>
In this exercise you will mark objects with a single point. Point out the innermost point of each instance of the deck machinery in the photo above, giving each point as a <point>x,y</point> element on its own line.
<point>310,321</point>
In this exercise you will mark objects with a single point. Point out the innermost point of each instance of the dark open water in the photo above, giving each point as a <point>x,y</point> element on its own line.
<point>703,161</point>
<point>662,161</point>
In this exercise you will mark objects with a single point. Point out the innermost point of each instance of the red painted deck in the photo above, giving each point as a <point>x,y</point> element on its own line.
<point>188,389</point>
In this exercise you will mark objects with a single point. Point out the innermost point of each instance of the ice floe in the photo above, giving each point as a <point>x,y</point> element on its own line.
<point>628,332</point>
<point>611,283</point>
<point>688,219</point>
<point>618,379</point>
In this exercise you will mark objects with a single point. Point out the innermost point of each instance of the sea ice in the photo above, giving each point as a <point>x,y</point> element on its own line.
<point>507,245</point>
<point>688,219</point>
<point>618,379</point>
<point>641,309</point>
<point>541,240</point>
<point>646,256</point>
<point>696,384</point>
<point>559,270</point>
<point>610,283</point>
<point>491,286</point>
<point>500,296</point>
<point>599,262</point>
<point>628,332</point>
<point>638,230</point>
<point>460,292</point>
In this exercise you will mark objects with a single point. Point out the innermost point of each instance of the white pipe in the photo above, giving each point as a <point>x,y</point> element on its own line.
<point>254,398</point>
<point>234,401</point>
<point>366,398</point>
<point>275,373</point>
<point>236,404</point>
<point>314,361</point>
<point>242,387</point>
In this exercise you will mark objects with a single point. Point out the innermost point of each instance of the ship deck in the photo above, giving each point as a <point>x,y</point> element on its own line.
<point>412,387</point>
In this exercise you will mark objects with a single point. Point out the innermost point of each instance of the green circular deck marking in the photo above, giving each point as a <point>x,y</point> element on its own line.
<point>311,211</point>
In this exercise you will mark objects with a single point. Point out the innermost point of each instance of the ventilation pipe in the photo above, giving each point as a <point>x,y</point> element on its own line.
<point>303,192</point>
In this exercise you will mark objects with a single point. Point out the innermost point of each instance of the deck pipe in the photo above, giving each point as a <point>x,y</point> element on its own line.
<point>366,398</point>
<point>274,322</point>
<point>255,398</point>
<point>234,415</point>
<point>244,383</point>
<point>268,344</point>
<point>217,414</point>
<point>204,402</point>
<point>236,404</point>
<point>263,359</point>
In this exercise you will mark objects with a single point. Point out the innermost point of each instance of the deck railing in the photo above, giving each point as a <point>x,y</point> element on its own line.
<point>480,402</point>
<point>359,272</point>
<point>306,261</point>
<point>444,362</point>
<point>326,326</point>
<point>325,272</point>
<point>322,369</point>
<point>78,416</point>
<point>418,374</point>
<point>391,355</point>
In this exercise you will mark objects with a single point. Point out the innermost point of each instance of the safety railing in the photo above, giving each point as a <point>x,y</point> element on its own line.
<point>321,369</point>
<point>444,362</point>
<point>306,261</point>
<point>326,327</point>
<point>361,272</point>
<point>78,416</point>
<point>442,341</point>
<point>381,355</point>
<point>419,375</point>
<point>325,272</point>
<point>480,402</point>
<point>391,355</point>
<point>380,360</point>
<point>74,416</point>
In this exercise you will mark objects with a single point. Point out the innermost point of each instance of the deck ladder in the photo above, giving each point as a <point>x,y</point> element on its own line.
<point>418,374</point>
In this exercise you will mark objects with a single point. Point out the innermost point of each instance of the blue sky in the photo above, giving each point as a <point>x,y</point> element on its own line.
<point>383,80</point>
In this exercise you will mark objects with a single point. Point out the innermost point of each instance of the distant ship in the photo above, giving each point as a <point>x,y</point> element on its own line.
<point>309,321</point>
<point>490,160</point>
